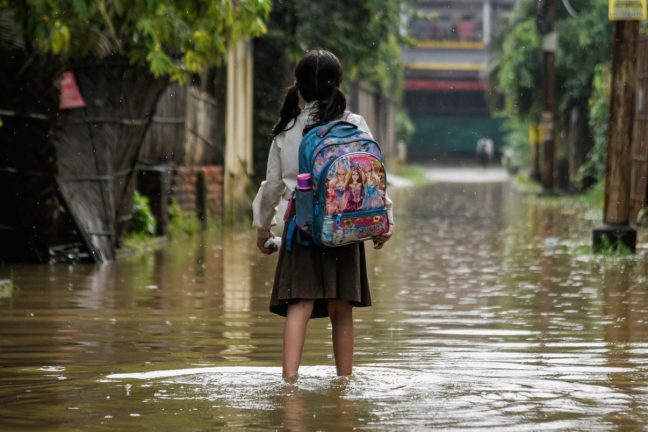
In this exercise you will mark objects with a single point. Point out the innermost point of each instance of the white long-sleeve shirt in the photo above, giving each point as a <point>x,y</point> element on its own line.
<point>283,167</point>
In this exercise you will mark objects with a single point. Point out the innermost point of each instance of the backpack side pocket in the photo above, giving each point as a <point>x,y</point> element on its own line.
<point>353,227</point>
<point>304,209</point>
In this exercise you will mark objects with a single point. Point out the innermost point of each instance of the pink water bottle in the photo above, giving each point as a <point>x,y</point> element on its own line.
<point>304,181</point>
<point>304,202</point>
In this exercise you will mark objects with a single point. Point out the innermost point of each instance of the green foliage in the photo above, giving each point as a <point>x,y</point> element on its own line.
<point>365,34</point>
<point>173,37</point>
<point>595,196</point>
<point>133,244</point>
<point>607,252</point>
<point>142,221</point>
<point>583,44</point>
<point>7,288</point>
<point>525,185</point>
<point>414,173</point>
<point>517,151</point>
<point>182,223</point>
<point>594,168</point>
<point>612,248</point>
<point>404,126</point>
<point>519,71</point>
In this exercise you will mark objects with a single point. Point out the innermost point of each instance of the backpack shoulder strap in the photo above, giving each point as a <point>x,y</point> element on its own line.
<point>311,127</point>
<point>342,120</point>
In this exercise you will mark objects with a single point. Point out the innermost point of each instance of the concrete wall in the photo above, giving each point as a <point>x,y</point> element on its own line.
<point>379,111</point>
<point>238,128</point>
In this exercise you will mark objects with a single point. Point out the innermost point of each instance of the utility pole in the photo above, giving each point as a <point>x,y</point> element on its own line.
<point>546,25</point>
<point>616,231</point>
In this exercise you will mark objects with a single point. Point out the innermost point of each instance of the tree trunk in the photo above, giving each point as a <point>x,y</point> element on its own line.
<point>580,142</point>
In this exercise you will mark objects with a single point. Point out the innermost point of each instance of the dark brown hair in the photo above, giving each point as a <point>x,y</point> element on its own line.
<point>318,76</point>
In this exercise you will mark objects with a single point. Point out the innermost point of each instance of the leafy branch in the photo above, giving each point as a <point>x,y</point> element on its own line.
<point>172,37</point>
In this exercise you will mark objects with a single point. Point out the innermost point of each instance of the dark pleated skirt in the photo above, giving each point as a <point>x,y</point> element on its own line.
<point>320,274</point>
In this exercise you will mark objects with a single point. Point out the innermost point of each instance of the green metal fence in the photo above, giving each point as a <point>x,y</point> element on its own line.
<point>438,135</point>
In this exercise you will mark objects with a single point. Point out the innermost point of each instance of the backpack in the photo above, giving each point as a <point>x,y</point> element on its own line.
<point>347,199</point>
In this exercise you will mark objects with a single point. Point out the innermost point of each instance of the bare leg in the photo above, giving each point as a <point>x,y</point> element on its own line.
<point>294,334</point>
<point>341,314</point>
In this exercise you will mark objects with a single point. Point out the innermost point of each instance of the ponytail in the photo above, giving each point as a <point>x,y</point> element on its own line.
<point>332,107</point>
<point>289,110</point>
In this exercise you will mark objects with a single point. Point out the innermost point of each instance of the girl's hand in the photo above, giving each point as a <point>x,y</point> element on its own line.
<point>262,238</point>
<point>380,241</point>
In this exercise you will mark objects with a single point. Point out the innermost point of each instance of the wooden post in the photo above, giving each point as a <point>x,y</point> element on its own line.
<point>201,199</point>
<point>639,177</point>
<point>549,42</point>
<point>616,212</point>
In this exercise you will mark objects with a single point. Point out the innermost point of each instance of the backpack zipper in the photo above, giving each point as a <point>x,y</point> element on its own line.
<point>319,149</point>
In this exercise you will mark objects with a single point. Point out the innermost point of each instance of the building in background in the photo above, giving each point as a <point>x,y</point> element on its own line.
<point>445,89</point>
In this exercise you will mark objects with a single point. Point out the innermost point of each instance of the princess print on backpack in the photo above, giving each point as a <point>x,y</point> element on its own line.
<point>374,195</point>
<point>354,190</point>
<point>335,190</point>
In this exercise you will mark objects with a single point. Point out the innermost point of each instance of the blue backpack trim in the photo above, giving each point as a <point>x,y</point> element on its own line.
<point>292,229</point>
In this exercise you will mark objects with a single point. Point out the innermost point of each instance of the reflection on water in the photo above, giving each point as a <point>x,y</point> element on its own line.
<point>485,315</point>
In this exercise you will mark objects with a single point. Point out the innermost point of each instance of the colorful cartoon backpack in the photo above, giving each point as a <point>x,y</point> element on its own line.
<point>340,197</point>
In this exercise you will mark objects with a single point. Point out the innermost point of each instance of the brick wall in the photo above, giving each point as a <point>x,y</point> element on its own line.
<point>185,187</point>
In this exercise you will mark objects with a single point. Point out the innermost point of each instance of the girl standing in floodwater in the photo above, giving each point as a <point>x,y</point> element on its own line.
<point>311,282</point>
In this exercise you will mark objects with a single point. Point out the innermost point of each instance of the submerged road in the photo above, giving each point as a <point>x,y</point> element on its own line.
<point>489,313</point>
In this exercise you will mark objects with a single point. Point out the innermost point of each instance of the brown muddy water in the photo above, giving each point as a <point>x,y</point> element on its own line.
<point>488,314</point>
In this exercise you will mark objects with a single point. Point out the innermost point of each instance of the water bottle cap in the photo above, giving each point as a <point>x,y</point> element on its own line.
<point>303,181</point>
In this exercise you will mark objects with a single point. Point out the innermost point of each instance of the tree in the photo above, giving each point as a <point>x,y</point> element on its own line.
<point>173,37</point>
<point>583,45</point>
<point>519,72</point>
<point>365,34</point>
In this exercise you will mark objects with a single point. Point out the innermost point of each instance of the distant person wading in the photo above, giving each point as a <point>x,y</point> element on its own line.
<point>485,150</point>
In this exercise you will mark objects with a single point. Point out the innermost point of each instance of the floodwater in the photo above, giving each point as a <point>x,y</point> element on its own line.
<point>488,314</point>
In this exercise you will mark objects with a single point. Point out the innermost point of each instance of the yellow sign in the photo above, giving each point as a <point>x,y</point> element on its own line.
<point>627,10</point>
<point>536,134</point>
